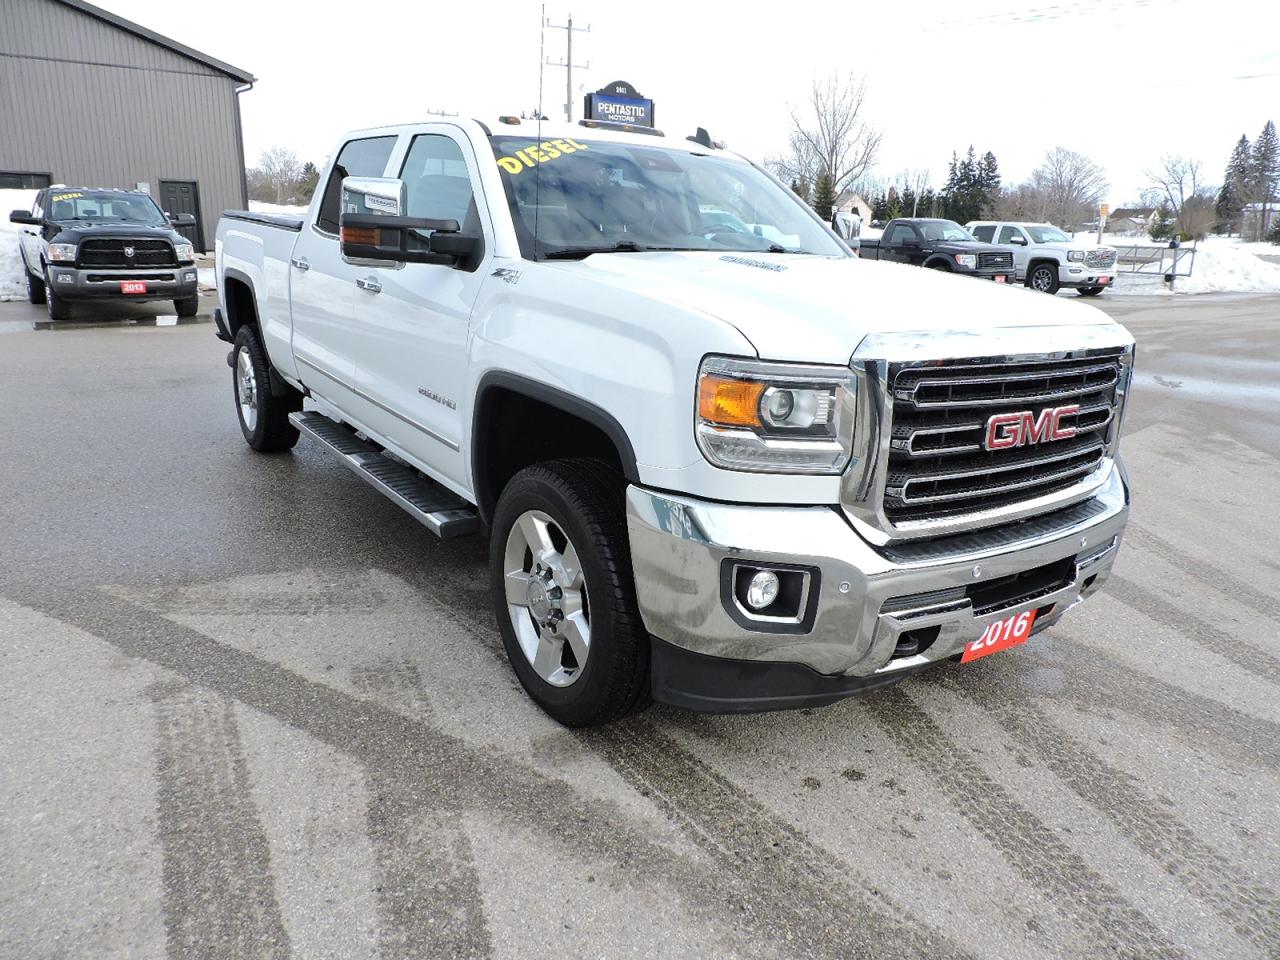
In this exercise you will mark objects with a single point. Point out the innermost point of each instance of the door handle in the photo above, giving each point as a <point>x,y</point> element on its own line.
<point>372,284</point>
<point>302,263</point>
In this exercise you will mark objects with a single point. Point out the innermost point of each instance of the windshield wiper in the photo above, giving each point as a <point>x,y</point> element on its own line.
<point>578,253</point>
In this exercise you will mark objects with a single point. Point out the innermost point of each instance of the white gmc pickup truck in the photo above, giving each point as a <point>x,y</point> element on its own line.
<point>721,461</point>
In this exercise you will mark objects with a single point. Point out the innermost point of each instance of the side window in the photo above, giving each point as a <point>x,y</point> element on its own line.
<point>437,184</point>
<point>357,158</point>
<point>1008,233</point>
<point>985,233</point>
<point>900,233</point>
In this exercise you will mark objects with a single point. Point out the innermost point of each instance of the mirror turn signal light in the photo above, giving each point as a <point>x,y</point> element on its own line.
<point>364,236</point>
<point>732,402</point>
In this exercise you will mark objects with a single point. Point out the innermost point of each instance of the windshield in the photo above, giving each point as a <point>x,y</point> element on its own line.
<point>945,230</point>
<point>571,197</point>
<point>1047,235</point>
<point>105,205</point>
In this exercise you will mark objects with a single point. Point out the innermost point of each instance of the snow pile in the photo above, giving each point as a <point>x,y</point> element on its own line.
<point>1221,265</point>
<point>13,285</point>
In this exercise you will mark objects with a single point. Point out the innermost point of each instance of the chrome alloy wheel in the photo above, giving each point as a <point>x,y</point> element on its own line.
<point>247,390</point>
<point>1041,279</point>
<point>547,598</point>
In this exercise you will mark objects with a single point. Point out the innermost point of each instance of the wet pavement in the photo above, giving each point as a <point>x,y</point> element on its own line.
<point>250,709</point>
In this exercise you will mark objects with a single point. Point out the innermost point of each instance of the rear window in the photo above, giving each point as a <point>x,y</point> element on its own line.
<point>986,234</point>
<point>358,158</point>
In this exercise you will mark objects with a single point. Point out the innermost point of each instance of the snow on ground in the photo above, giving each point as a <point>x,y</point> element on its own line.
<point>12,284</point>
<point>257,206</point>
<point>1221,265</point>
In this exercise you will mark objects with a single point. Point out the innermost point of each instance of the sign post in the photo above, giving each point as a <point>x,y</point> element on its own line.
<point>619,102</point>
<point>1103,212</point>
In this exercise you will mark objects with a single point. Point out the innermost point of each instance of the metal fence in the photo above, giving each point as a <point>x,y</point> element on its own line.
<point>1157,261</point>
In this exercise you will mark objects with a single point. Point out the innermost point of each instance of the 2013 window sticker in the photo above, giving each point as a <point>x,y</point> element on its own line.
<point>528,157</point>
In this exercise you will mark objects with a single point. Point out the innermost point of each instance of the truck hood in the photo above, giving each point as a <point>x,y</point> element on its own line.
<point>1069,245</point>
<point>817,309</point>
<point>73,232</point>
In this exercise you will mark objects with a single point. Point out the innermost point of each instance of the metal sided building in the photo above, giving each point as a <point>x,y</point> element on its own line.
<point>91,99</point>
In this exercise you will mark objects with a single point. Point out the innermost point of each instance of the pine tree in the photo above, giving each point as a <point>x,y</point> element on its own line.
<point>989,182</point>
<point>1266,174</point>
<point>1235,187</point>
<point>801,189</point>
<point>824,196</point>
<point>308,180</point>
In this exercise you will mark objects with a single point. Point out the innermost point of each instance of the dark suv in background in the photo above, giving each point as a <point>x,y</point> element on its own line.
<point>91,244</point>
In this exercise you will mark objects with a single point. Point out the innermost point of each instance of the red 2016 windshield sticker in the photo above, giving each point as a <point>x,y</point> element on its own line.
<point>535,153</point>
<point>1000,635</point>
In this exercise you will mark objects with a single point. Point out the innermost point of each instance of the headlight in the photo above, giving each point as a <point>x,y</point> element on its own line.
<point>185,252</point>
<point>65,252</point>
<point>967,260</point>
<point>1076,256</point>
<point>775,417</point>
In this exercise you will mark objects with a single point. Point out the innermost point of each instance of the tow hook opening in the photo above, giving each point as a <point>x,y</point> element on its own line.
<point>912,643</point>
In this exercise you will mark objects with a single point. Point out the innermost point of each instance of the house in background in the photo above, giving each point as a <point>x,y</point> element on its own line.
<point>100,101</point>
<point>1132,221</point>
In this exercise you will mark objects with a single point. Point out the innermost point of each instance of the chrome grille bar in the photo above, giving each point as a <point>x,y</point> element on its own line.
<point>1106,377</point>
<point>1089,457</point>
<point>1084,423</point>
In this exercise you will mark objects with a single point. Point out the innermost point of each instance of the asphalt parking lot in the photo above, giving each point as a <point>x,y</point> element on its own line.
<point>250,709</point>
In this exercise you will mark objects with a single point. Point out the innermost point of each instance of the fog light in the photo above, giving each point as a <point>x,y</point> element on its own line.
<point>763,589</point>
<point>189,275</point>
<point>65,278</point>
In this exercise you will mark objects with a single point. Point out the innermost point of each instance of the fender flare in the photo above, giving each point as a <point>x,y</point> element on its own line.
<point>553,397</point>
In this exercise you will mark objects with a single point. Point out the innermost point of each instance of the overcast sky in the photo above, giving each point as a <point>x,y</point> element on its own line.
<point>1123,81</point>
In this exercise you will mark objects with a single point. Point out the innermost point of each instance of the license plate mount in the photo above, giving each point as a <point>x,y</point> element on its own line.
<point>133,286</point>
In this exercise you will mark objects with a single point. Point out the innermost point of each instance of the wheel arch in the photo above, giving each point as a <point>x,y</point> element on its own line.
<point>240,301</point>
<point>505,434</point>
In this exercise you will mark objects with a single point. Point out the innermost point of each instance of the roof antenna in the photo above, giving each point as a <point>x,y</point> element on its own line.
<point>702,137</point>
<point>537,173</point>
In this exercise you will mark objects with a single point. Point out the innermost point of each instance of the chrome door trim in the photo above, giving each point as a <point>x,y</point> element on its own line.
<point>381,406</point>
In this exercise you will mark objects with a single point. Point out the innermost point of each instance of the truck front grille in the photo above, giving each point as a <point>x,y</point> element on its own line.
<point>939,465</point>
<point>995,261</point>
<point>112,253</point>
<point>1100,259</point>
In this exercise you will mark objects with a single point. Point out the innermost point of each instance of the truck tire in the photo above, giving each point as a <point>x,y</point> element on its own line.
<point>59,309</point>
<point>1090,291</point>
<point>35,286</point>
<point>264,418</point>
<point>1043,277</point>
<point>939,265</point>
<point>560,569</point>
<point>187,307</point>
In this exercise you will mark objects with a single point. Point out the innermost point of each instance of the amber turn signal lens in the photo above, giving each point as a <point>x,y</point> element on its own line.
<point>733,402</point>
<point>364,236</point>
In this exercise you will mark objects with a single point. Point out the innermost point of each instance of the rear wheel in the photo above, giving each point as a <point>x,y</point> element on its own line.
<point>59,309</point>
<point>564,595</point>
<point>1090,291</point>
<point>187,306</point>
<point>264,418</point>
<point>35,287</point>
<point>1043,277</point>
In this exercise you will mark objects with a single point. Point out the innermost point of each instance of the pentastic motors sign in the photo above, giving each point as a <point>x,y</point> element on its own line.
<point>619,102</point>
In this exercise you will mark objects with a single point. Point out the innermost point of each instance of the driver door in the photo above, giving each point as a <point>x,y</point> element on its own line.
<point>1021,247</point>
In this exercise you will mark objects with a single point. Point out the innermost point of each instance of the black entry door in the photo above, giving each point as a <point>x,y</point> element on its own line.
<point>183,196</point>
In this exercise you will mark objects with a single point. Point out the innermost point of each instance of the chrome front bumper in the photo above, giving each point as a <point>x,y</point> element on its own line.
<point>865,598</point>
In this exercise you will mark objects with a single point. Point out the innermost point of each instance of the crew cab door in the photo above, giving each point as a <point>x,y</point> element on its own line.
<point>322,286</point>
<point>31,237</point>
<point>411,321</point>
<point>1012,235</point>
<point>904,244</point>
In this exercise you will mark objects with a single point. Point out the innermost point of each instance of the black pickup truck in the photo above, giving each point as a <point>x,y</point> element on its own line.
<point>940,245</point>
<point>89,244</point>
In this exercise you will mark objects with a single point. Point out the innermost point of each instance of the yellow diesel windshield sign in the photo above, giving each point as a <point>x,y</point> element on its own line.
<point>535,153</point>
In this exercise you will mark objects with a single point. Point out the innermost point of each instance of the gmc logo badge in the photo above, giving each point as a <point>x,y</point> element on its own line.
<point>1007,430</point>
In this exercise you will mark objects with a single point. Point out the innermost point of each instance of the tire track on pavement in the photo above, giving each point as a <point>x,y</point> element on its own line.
<point>816,911</point>
<point>1247,656</point>
<point>1086,899</point>
<point>438,769</point>
<point>219,899</point>
<point>1249,908</point>
<point>428,892</point>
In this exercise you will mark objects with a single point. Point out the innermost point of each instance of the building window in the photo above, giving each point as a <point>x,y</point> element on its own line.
<point>23,181</point>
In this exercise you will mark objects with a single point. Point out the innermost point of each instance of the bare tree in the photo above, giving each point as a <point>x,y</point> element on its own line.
<point>830,135</point>
<point>1178,185</point>
<point>280,168</point>
<point>1069,187</point>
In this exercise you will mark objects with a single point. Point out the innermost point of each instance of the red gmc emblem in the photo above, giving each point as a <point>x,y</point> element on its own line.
<point>1007,430</point>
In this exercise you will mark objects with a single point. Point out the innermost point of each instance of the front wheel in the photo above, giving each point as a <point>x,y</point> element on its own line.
<point>35,287</point>
<point>1090,291</point>
<point>59,309</point>
<point>564,595</point>
<point>187,306</point>
<point>264,418</point>
<point>1043,278</point>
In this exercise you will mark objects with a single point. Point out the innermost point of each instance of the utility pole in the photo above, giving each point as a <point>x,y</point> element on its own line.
<point>567,62</point>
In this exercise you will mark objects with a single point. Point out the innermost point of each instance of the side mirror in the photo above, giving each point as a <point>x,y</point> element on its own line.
<point>911,242</point>
<point>375,233</point>
<point>24,216</point>
<point>182,220</point>
<point>1018,241</point>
